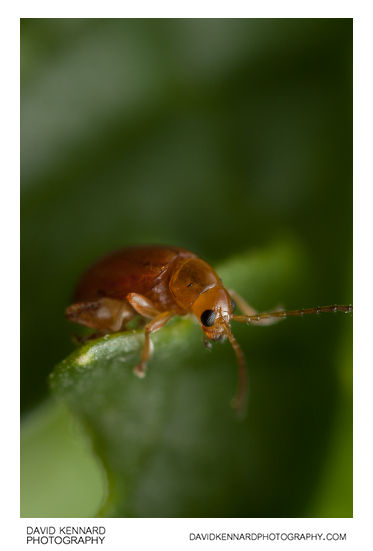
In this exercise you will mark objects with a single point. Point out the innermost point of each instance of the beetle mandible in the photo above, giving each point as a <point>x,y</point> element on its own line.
<point>159,282</point>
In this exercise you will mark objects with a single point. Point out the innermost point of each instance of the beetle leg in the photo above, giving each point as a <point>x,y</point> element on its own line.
<point>104,314</point>
<point>142,305</point>
<point>207,343</point>
<point>249,310</point>
<point>154,325</point>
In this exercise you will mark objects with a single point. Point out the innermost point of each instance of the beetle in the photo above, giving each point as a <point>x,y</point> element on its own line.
<point>158,283</point>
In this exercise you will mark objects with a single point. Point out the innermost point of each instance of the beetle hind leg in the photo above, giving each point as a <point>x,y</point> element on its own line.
<point>107,315</point>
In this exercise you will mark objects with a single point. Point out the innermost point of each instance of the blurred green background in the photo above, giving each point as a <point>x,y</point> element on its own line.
<point>215,135</point>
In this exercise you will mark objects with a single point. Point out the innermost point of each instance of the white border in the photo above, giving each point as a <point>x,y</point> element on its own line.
<point>190,9</point>
<point>173,533</point>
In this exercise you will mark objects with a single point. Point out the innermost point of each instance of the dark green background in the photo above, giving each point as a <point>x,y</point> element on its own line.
<point>213,135</point>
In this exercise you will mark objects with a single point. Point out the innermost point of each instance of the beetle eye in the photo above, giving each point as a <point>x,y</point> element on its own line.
<point>208,318</point>
<point>233,305</point>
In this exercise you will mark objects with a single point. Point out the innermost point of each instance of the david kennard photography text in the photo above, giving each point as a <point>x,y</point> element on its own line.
<point>65,534</point>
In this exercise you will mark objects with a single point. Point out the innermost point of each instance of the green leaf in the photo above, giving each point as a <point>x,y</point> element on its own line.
<point>171,444</point>
<point>59,475</point>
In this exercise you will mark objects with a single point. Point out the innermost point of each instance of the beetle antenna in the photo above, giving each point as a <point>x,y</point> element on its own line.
<point>300,312</point>
<point>239,400</point>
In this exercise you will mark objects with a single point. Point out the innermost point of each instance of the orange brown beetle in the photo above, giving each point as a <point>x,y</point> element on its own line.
<point>158,282</point>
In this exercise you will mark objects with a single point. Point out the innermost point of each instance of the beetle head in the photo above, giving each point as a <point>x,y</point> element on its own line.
<point>213,309</point>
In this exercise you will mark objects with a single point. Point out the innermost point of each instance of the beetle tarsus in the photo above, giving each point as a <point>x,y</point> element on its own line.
<point>207,344</point>
<point>140,370</point>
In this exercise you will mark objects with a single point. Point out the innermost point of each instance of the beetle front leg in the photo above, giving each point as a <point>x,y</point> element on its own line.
<point>154,325</point>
